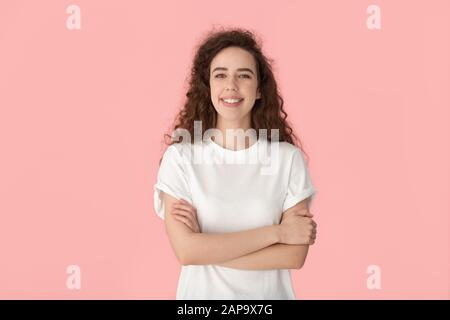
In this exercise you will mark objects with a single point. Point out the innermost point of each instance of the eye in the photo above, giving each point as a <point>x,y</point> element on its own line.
<point>222,74</point>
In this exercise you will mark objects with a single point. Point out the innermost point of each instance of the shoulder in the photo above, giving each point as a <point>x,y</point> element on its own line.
<point>178,151</point>
<point>291,155</point>
<point>288,150</point>
<point>288,147</point>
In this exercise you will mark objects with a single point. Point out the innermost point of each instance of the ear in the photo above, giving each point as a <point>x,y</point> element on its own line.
<point>258,94</point>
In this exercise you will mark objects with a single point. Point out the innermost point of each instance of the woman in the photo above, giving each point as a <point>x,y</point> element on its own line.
<point>236,228</point>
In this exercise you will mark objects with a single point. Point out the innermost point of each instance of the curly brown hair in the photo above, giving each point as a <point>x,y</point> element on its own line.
<point>267,112</point>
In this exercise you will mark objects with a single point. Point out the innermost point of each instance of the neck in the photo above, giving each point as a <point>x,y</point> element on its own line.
<point>244,125</point>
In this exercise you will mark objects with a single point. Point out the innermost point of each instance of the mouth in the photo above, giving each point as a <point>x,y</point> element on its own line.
<point>232,102</point>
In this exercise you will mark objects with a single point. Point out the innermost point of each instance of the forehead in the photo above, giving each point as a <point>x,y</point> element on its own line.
<point>233,58</point>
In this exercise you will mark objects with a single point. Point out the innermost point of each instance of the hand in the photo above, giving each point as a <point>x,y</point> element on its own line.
<point>298,227</point>
<point>187,214</point>
<point>299,211</point>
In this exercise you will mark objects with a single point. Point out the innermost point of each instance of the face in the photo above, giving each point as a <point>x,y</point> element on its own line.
<point>233,75</point>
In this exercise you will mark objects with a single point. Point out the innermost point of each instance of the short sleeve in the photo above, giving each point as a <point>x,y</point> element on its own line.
<point>171,179</point>
<point>299,185</point>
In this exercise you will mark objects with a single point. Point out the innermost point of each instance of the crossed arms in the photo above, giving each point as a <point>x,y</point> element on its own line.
<point>255,249</point>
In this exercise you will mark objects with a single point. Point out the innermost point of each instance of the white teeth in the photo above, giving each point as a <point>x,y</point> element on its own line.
<point>232,100</point>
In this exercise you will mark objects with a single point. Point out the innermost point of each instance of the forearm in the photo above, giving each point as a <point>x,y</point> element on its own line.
<point>276,256</point>
<point>215,248</point>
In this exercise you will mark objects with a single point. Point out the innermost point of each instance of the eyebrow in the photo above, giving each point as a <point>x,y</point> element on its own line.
<point>240,69</point>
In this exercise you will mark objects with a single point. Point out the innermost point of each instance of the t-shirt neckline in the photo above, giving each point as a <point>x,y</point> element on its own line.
<point>234,152</point>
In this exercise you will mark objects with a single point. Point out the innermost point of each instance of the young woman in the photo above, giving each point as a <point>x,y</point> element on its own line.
<point>236,228</point>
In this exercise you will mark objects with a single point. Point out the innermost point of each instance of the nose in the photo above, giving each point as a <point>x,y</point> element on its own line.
<point>231,85</point>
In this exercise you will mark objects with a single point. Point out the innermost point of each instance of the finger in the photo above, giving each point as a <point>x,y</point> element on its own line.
<point>304,213</point>
<point>184,220</point>
<point>187,210</point>
<point>185,223</point>
<point>193,222</point>
<point>309,214</point>
<point>182,213</point>
<point>184,202</point>
<point>183,206</point>
<point>186,207</point>
<point>181,218</point>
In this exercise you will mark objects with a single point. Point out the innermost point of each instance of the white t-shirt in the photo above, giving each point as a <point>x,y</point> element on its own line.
<point>240,193</point>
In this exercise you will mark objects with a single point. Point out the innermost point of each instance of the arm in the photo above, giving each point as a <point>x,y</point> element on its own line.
<point>213,248</point>
<point>277,256</point>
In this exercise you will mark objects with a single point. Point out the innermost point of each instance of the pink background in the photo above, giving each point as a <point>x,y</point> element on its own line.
<point>83,112</point>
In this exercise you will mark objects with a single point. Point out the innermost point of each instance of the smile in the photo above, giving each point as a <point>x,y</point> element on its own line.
<point>232,102</point>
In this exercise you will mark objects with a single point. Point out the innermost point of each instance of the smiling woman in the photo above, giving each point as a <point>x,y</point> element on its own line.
<point>236,231</point>
<point>234,88</point>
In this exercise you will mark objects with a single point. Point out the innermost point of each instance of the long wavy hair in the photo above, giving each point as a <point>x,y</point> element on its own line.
<point>267,112</point>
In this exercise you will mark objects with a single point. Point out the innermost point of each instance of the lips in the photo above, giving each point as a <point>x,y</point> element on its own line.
<point>235,101</point>
<point>231,97</point>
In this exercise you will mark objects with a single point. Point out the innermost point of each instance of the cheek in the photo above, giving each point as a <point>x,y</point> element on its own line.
<point>250,88</point>
<point>215,89</point>
<point>215,95</point>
